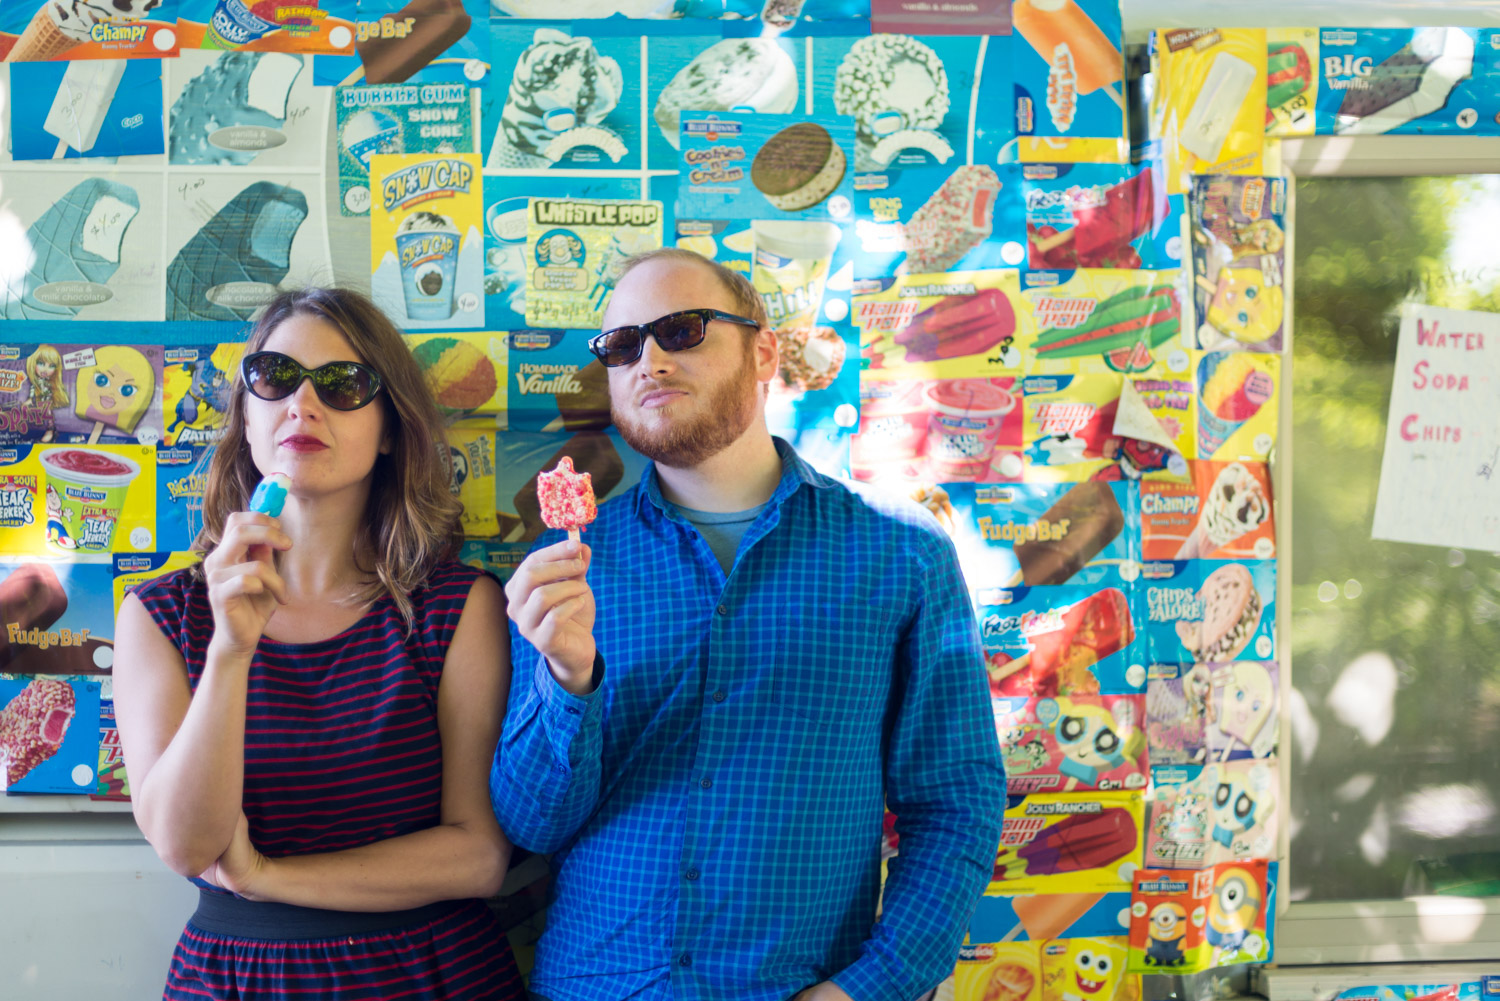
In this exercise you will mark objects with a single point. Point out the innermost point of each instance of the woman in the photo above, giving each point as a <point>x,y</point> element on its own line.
<point>44,374</point>
<point>309,716</point>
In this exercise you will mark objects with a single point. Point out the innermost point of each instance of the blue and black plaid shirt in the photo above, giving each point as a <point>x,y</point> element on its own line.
<point>716,804</point>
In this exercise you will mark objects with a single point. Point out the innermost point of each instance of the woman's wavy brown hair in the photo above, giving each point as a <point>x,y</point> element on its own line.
<point>411,521</point>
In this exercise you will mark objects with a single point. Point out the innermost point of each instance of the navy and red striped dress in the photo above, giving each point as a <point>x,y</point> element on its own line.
<point>342,749</point>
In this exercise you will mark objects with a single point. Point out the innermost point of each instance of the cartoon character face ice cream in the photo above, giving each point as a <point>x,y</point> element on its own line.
<point>116,390</point>
<point>1233,909</point>
<point>1246,700</point>
<point>1167,929</point>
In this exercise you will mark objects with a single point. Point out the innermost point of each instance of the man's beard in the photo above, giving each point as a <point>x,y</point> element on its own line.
<point>723,415</point>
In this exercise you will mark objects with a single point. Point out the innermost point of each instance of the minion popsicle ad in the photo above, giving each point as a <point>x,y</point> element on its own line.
<point>426,241</point>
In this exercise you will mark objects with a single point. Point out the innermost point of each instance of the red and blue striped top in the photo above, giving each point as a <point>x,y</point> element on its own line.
<point>342,749</point>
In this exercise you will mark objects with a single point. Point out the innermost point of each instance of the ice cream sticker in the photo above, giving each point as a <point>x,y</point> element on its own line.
<point>1237,395</point>
<point>574,251</point>
<point>426,240</point>
<point>1188,922</point>
<point>77,499</point>
<point>55,617</point>
<point>1070,642</point>
<point>1070,73</point>
<point>1060,843</point>
<point>397,118</point>
<point>938,431</point>
<point>49,734</point>
<point>309,26</point>
<point>32,31</point>
<point>1223,511</point>
<point>239,108</point>
<point>1238,231</point>
<point>955,325</point>
<point>1208,611</point>
<point>765,167</point>
<point>81,393</point>
<point>98,107</point>
<point>1210,102</point>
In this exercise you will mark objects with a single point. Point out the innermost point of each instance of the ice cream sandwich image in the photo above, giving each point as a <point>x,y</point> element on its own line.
<point>435,25</point>
<point>1412,83</point>
<point>754,73</point>
<point>798,167</point>
<point>1231,614</point>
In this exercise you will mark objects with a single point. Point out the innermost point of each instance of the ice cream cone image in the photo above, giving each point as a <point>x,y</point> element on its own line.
<point>1232,389</point>
<point>42,40</point>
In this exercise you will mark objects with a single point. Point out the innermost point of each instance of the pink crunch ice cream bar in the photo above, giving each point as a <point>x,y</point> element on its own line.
<point>566,497</point>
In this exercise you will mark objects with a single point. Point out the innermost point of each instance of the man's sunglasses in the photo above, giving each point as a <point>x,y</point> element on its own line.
<point>674,332</point>
<point>342,385</point>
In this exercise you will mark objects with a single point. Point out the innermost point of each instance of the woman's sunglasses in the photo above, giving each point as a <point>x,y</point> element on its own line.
<point>342,385</point>
<point>674,332</point>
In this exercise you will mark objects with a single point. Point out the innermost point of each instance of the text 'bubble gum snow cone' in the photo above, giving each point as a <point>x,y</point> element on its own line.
<point>1233,388</point>
<point>427,246</point>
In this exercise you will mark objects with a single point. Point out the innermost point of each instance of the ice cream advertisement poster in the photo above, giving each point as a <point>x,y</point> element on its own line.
<point>196,395</point>
<point>961,324</point>
<point>1237,405</point>
<point>613,468</point>
<point>471,454</point>
<point>1292,74</point>
<point>1405,81</point>
<point>1069,843</point>
<point>1046,917</point>
<point>989,17</point>
<point>1072,644</point>
<point>1192,922</point>
<point>419,41</point>
<point>58,392</point>
<point>396,118</point>
<point>77,499</point>
<point>1238,227</point>
<point>574,251</point>
<point>1208,611</point>
<point>1212,712</point>
<point>1098,215</point>
<point>1043,534</point>
<point>1200,815</point>
<point>1469,990</point>
<point>910,98</point>
<point>1210,103</point>
<point>92,245</point>
<point>38,31</point>
<point>466,373</point>
<point>736,166</point>
<point>306,26</point>
<point>1045,971</point>
<point>111,783</point>
<point>134,569</point>
<point>927,220</point>
<point>1107,426</point>
<point>233,241</point>
<point>710,73</point>
<point>49,730</point>
<point>1073,743</point>
<point>1223,511</point>
<point>1105,320</point>
<point>915,431</point>
<point>86,108</point>
<point>426,245</point>
<point>181,474</point>
<point>56,616</point>
<point>1069,68</point>
<point>560,99</point>
<point>556,384</point>
<point>243,108</point>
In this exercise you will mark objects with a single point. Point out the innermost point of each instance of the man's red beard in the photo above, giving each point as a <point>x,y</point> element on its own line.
<point>724,412</point>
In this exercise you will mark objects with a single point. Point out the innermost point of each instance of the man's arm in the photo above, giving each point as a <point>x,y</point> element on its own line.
<point>544,780</point>
<point>945,782</point>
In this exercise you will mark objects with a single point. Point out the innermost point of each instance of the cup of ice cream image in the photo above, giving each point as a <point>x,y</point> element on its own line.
<point>966,416</point>
<point>427,248</point>
<point>85,493</point>
<point>893,424</point>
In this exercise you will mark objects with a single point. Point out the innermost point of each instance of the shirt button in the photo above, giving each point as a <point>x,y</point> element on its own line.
<point>684,960</point>
<point>719,696</point>
<point>691,874</point>
<point>723,609</point>
<point>572,711</point>
<point>707,783</point>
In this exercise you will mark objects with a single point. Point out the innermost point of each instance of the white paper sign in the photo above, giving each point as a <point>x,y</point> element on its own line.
<point>1440,479</point>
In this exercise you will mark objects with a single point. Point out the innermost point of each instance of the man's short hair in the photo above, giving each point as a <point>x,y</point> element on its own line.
<point>747,301</point>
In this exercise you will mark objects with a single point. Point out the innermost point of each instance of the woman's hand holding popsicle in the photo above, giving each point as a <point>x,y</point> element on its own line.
<point>244,586</point>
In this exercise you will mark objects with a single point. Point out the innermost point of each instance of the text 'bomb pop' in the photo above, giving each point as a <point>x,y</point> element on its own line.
<point>270,495</point>
<point>566,497</point>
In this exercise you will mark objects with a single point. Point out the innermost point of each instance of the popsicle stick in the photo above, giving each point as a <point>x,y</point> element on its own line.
<point>573,536</point>
<point>1010,667</point>
<point>95,434</point>
<point>355,77</point>
<point>62,149</point>
<point>1114,95</point>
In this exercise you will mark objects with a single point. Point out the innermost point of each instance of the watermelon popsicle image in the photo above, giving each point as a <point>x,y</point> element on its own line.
<point>1144,315</point>
<point>1082,841</point>
<point>959,325</point>
<point>1101,235</point>
<point>566,497</point>
<point>1231,389</point>
<point>1288,73</point>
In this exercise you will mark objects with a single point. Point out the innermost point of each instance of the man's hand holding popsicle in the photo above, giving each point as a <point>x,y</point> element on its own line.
<point>549,598</point>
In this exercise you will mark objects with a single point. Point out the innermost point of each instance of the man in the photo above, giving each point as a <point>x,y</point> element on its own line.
<point>779,658</point>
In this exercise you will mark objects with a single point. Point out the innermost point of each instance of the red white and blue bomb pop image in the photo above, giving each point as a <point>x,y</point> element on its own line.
<point>270,495</point>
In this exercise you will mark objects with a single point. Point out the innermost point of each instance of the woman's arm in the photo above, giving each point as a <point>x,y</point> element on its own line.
<point>184,751</point>
<point>466,855</point>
